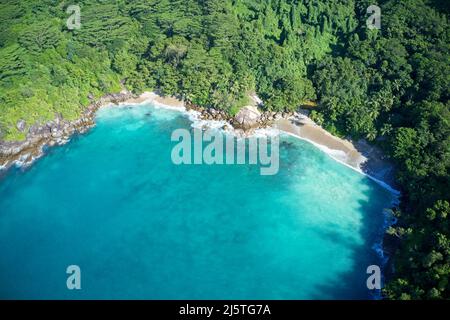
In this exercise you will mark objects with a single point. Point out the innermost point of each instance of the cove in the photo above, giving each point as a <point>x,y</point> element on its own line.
<point>217,145</point>
<point>140,227</point>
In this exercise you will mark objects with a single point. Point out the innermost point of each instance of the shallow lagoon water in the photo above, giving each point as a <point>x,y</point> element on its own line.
<point>140,227</point>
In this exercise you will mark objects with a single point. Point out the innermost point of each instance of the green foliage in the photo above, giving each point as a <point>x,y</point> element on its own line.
<point>40,36</point>
<point>423,269</point>
<point>389,86</point>
<point>11,61</point>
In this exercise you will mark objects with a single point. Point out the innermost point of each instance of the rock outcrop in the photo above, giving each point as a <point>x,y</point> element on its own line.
<point>21,125</point>
<point>59,130</point>
<point>55,132</point>
<point>247,118</point>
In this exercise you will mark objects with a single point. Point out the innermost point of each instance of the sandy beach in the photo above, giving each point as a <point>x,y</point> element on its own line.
<point>358,155</point>
<point>304,128</point>
<point>157,99</point>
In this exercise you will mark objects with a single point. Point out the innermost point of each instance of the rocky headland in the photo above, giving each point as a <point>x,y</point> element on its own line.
<point>51,133</point>
<point>358,155</point>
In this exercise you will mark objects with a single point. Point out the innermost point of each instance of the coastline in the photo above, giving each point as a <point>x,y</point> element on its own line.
<point>304,128</point>
<point>156,99</point>
<point>51,133</point>
<point>358,156</point>
<point>59,131</point>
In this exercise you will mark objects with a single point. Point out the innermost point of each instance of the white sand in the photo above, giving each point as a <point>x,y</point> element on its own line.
<point>153,97</point>
<point>340,149</point>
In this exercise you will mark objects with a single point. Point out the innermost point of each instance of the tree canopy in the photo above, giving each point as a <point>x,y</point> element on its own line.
<point>389,86</point>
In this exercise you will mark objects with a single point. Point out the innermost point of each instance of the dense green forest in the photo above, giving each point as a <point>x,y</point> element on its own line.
<point>389,86</point>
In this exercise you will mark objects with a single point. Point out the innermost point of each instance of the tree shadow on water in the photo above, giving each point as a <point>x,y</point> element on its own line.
<point>351,284</point>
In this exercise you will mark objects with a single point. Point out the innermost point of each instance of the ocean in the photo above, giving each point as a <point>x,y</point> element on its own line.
<point>140,227</point>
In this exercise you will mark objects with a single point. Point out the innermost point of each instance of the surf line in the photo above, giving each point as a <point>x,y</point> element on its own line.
<point>225,149</point>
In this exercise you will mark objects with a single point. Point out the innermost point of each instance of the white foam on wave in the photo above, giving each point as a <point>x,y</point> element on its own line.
<point>26,160</point>
<point>341,157</point>
<point>388,220</point>
<point>227,128</point>
<point>199,123</point>
<point>338,155</point>
<point>383,184</point>
<point>159,105</point>
<point>195,117</point>
<point>112,111</point>
<point>150,99</point>
<point>196,120</point>
<point>21,162</point>
<point>266,132</point>
<point>4,166</point>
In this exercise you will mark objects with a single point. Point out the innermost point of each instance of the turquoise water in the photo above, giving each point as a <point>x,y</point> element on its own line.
<point>138,226</point>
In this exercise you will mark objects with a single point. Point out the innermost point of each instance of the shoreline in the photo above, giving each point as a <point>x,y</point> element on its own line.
<point>358,156</point>
<point>52,133</point>
<point>353,155</point>
<point>156,99</point>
